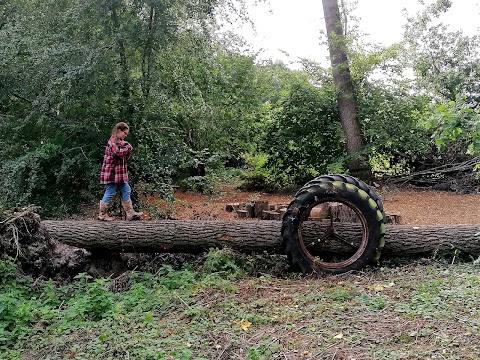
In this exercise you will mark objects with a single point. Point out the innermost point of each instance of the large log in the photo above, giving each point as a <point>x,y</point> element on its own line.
<point>249,236</point>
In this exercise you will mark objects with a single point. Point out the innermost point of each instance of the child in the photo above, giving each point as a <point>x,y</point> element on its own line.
<point>115,175</point>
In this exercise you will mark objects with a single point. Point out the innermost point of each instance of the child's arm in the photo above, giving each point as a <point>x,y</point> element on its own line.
<point>119,147</point>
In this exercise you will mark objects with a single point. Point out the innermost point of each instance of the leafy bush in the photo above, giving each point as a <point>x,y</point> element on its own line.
<point>199,171</point>
<point>8,271</point>
<point>257,176</point>
<point>20,307</point>
<point>172,279</point>
<point>305,137</point>
<point>455,121</point>
<point>41,172</point>
<point>390,119</point>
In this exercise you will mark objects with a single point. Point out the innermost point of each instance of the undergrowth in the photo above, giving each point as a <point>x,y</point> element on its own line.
<point>226,305</point>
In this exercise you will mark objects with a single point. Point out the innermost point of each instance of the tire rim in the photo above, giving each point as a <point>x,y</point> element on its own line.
<point>331,233</point>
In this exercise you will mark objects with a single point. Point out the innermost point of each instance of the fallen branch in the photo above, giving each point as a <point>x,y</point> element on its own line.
<point>468,165</point>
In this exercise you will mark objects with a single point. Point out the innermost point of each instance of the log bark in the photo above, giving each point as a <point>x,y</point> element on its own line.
<point>250,236</point>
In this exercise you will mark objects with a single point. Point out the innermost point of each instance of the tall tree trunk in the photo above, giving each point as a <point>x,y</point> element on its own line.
<point>122,54</point>
<point>147,52</point>
<point>251,236</point>
<point>347,103</point>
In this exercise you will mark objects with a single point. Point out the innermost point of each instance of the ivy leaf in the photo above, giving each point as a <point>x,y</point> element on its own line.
<point>148,317</point>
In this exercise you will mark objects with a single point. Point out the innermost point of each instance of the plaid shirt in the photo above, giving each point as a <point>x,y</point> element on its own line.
<point>114,168</point>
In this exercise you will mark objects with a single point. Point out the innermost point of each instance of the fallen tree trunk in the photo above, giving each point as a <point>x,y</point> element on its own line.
<point>176,236</point>
<point>250,236</point>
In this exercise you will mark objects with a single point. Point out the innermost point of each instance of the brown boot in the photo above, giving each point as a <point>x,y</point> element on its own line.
<point>131,214</point>
<point>103,214</point>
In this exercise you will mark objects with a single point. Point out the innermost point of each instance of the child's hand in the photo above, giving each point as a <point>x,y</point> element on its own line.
<point>119,147</point>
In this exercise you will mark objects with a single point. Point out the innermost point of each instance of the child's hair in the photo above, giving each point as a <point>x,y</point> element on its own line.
<point>119,126</point>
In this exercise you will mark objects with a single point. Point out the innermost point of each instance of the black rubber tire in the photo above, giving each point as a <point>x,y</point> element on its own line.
<point>335,189</point>
<point>358,183</point>
<point>350,180</point>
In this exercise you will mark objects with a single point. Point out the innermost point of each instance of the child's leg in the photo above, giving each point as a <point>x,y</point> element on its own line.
<point>125,190</point>
<point>127,202</point>
<point>110,191</point>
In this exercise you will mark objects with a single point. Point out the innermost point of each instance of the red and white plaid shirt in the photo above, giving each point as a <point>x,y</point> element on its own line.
<point>114,168</point>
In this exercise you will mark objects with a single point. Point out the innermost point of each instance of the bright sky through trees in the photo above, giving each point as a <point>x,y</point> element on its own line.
<point>284,28</point>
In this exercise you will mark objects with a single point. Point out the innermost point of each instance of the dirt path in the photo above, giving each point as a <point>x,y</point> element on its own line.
<point>434,207</point>
<point>414,207</point>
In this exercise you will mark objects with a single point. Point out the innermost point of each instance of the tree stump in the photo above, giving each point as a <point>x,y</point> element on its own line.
<point>319,212</point>
<point>242,214</point>
<point>250,208</point>
<point>394,219</point>
<point>259,208</point>
<point>271,215</point>
<point>232,207</point>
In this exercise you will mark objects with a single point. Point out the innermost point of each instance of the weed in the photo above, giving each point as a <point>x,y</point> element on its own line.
<point>9,272</point>
<point>91,300</point>
<point>172,279</point>
<point>223,263</point>
<point>260,352</point>
<point>377,303</point>
<point>429,311</point>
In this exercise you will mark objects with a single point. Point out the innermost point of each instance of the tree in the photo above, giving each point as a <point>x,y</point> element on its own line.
<point>68,74</point>
<point>303,139</point>
<point>447,68</point>
<point>346,99</point>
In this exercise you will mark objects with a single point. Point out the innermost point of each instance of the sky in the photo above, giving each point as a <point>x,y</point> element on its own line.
<point>287,30</point>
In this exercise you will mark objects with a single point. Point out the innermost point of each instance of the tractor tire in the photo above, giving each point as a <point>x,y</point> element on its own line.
<point>350,180</point>
<point>356,253</point>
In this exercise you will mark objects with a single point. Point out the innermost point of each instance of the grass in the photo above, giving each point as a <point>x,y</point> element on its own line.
<point>233,306</point>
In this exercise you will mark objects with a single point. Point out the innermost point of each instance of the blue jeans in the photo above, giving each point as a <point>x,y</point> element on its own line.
<point>111,189</point>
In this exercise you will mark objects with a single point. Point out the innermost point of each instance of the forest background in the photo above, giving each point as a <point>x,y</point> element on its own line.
<point>201,107</point>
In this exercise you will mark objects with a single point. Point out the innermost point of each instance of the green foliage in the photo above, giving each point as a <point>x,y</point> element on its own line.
<point>196,106</point>
<point>304,137</point>
<point>445,62</point>
<point>201,184</point>
<point>19,308</point>
<point>186,314</point>
<point>172,279</point>
<point>79,67</point>
<point>446,65</point>
<point>223,263</point>
<point>8,270</point>
<point>387,108</point>
<point>257,176</point>
<point>396,141</point>
<point>92,300</point>
<point>202,167</point>
<point>35,176</point>
<point>454,121</point>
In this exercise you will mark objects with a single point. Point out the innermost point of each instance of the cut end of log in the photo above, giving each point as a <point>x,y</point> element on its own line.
<point>232,207</point>
<point>270,215</point>
<point>242,214</point>
<point>394,219</point>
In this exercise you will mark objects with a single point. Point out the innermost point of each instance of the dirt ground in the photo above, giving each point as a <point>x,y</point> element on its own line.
<point>414,207</point>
